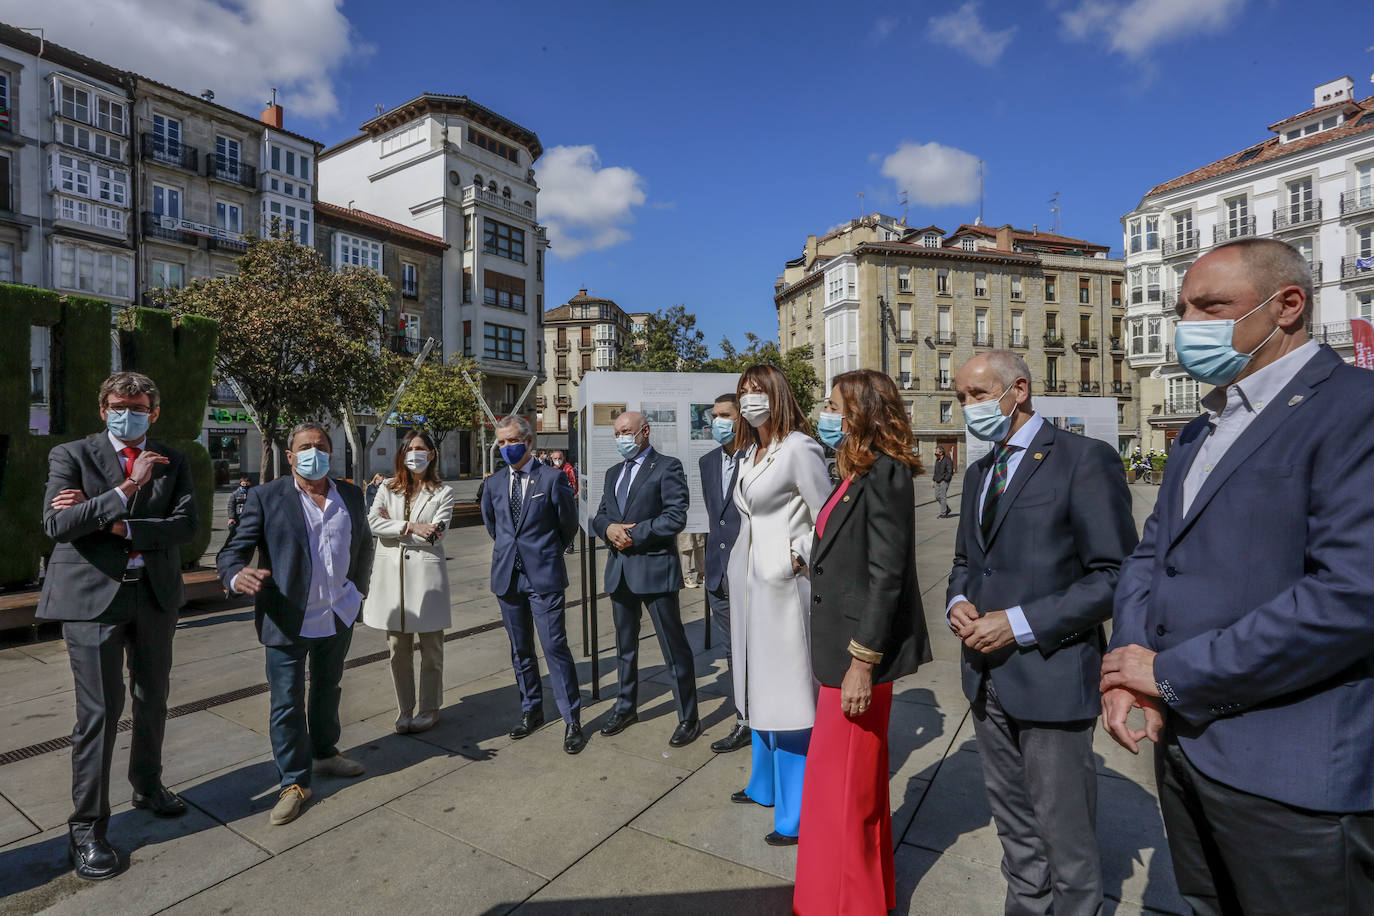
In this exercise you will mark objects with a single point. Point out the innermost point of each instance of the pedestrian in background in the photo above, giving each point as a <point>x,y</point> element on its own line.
<point>940,478</point>
<point>237,499</point>
<point>373,486</point>
<point>410,597</point>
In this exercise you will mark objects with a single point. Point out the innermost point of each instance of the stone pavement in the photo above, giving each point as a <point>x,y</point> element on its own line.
<point>463,820</point>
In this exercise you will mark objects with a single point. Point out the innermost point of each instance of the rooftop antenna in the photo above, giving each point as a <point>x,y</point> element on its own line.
<point>380,109</point>
<point>274,96</point>
<point>902,200</point>
<point>980,192</point>
<point>861,206</point>
<point>1054,208</point>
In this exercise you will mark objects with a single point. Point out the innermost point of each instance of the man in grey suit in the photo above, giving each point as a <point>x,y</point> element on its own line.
<point>643,507</point>
<point>1044,526</point>
<point>119,506</point>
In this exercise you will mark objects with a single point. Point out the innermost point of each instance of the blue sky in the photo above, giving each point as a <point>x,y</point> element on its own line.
<point>701,142</point>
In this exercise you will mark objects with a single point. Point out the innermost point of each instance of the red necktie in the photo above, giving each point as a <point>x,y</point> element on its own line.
<point>129,453</point>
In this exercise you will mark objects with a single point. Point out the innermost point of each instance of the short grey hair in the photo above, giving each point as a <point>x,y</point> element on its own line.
<point>522,426</point>
<point>306,427</point>
<point>1008,366</point>
<point>129,385</point>
<point>1272,265</point>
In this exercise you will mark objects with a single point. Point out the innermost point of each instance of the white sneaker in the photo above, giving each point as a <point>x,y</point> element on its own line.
<point>339,765</point>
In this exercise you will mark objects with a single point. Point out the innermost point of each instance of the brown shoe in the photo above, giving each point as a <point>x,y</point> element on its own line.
<point>288,806</point>
<point>340,766</point>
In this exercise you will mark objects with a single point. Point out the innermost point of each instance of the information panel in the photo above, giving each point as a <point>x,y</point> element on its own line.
<point>1091,417</point>
<point>678,407</point>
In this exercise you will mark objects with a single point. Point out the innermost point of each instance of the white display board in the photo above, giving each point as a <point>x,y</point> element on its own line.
<point>678,407</point>
<point>1091,417</point>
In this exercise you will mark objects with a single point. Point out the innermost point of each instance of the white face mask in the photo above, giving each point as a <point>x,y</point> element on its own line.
<point>417,461</point>
<point>754,408</point>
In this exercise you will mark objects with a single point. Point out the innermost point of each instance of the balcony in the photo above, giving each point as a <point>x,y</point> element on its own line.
<point>540,402</point>
<point>562,346</point>
<point>1182,407</point>
<point>1085,345</point>
<point>944,383</point>
<point>231,170</point>
<point>1054,387</point>
<point>1167,302</point>
<point>1054,341</point>
<point>908,382</point>
<point>907,335</point>
<point>1357,267</point>
<point>223,393</point>
<point>1180,243</point>
<point>563,400</point>
<point>1296,216</point>
<point>1316,272</point>
<point>495,201</point>
<point>1089,387</point>
<point>170,152</point>
<point>982,340</point>
<point>1357,201</point>
<point>233,246</point>
<point>1121,389</point>
<point>1116,345</point>
<point>1019,340</point>
<point>944,338</point>
<point>1335,334</point>
<point>562,372</point>
<point>153,228</point>
<point>1241,228</point>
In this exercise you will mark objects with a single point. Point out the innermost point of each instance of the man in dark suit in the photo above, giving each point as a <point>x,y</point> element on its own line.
<point>719,472</point>
<point>1244,623</point>
<point>314,551</point>
<point>119,506</point>
<point>643,507</point>
<point>529,511</point>
<point>940,479</point>
<point>1044,525</point>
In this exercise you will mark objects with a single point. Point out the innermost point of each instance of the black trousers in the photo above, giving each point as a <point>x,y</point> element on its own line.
<point>719,600</point>
<point>1237,853</point>
<point>627,608</point>
<point>135,627</point>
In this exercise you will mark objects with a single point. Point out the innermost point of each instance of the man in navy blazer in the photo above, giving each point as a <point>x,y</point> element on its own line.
<point>529,511</point>
<point>643,507</point>
<point>1244,621</point>
<point>719,473</point>
<point>314,551</point>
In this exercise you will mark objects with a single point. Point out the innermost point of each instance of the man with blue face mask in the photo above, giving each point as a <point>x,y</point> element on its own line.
<point>1244,621</point>
<point>119,506</point>
<point>1044,525</point>
<point>314,531</point>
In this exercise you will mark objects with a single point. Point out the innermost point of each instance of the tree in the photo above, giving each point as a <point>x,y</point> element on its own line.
<point>299,340</point>
<point>439,400</point>
<point>796,364</point>
<point>670,343</point>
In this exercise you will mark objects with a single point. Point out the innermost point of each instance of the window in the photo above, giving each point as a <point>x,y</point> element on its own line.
<point>1256,150</point>
<point>841,342</point>
<point>943,380</point>
<point>980,326</point>
<point>76,104</point>
<point>228,217</point>
<point>840,283</point>
<point>408,326</point>
<point>904,362</point>
<point>467,233</point>
<point>352,251</point>
<point>1153,343</point>
<point>276,158</point>
<point>1364,242</point>
<point>96,271</point>
<point>968,243</point>
<point>6,116</point>
<point>1052,371</point>
<point>1134,236</point>
<point>1152,284</point>
<point>944,329</point>
<point>1016,286</point>
<point>410,280</point>
<point>227,157</point>
<point>1151,233</point>
<point>502,342</point>
<point>586,363</point>
<point>1182,396</point>
<point>1237,217</point>
<point>167,201</point>
<point>942,281</point>
<point>980,284</point>
<point>1085,291</point>
<point>6,202</point>
<point>1183,230</point>
<point>6,262</point>
<point>538,264</point>
<point>406,136</point>
<point>1137,338</point>
<point>903,279</point>
<point>1301,206</point>
<point>505,241</point>
<point>1137,290</point>
<point>1116,294</point>
<point>166,138</point>
<point>1051,288</point>
<point>502,291</point>
<point>492,145</point>
<point>904,321</point>
<point>109,115</point>
<point>303,170</point>
<point>930,240</point>
<point>167,275</point>
<point>1018,329</point>
<point>1364,302</point>
<point>946,411</point>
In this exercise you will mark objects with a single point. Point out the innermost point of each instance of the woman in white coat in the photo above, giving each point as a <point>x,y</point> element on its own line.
<point>782,485</point>
<point>409,594</point>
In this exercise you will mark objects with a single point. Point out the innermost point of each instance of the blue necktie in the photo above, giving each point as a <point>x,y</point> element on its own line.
<point>517,497</point>
<point>622,490</point>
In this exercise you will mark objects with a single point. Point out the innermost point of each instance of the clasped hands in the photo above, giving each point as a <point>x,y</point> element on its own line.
<point>981,632</point>
<point>1128,682</point>
<point>619,535</point>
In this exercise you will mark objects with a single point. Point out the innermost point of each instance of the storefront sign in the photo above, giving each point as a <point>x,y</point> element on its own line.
<point>222,415</point>
<point>211,232</point>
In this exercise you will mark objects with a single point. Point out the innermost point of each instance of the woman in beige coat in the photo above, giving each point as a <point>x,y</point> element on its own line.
<point>409,594</point>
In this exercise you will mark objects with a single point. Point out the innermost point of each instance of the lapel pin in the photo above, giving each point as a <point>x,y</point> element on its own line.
<point>845,500</point>
<point>1295,400</point>
<point>1038,455</point>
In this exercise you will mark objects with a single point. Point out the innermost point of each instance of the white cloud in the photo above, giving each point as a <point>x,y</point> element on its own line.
<point>1135,27</point>
<point>963,31</point>
<point>585,206</point>
<point>241,50</point>
<point>933,174</point>
<point>883,27</point>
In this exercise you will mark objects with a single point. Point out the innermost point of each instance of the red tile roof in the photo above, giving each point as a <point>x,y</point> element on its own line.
<point>363,218</point>
<point>1036,236</point>
<point>1303,115</point>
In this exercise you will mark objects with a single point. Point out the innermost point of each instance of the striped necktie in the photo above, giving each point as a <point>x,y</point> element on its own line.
<point>996,487</point>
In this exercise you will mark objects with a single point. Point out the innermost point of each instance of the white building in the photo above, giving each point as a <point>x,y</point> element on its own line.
<point>445,165</point>
<point>1310,184</point>
<point>288,170</point>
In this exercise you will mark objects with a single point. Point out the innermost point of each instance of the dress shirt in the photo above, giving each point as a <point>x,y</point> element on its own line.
<point>1018,443</point>
<point>727,471</point>
<point>1232,409</point>
<point>527,470</point>
<point>119,448</point>
<point>632,466</point>
<point>331,592</point>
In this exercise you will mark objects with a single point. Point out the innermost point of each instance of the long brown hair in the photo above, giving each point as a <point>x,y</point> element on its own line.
<point>407,481</point>
<point>877,423</point>
<point>786,414</point>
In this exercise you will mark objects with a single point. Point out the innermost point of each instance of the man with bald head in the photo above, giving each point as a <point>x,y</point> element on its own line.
<point>1244,621</point>
<point>1044,524</point>
<point>643,507</point>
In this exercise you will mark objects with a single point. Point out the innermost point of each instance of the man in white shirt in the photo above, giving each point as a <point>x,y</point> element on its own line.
<point>314,530</point>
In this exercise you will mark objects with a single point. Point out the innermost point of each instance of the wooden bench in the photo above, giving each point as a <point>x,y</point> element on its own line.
<point>17,609</point>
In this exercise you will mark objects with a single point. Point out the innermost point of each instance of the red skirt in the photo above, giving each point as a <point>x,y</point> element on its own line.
<point>844,855</point>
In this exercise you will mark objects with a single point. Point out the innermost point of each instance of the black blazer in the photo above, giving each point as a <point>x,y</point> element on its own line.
<point>863,579</point>
<point>722,515</point>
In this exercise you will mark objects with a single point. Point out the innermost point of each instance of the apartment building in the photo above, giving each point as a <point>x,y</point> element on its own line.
<point>582,335</point>
<point>289,182</point>
<point>1311,184</point>
<point>918,303</point>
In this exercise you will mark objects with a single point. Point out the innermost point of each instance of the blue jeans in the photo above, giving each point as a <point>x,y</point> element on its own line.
<point>301,731</point>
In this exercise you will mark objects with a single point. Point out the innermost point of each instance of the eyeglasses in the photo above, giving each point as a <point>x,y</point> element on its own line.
<point>132,408</point>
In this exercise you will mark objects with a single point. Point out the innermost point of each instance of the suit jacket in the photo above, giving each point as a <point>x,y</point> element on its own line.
<point>1062,528</point>
<point>657,504</point>
<point>87,562</point>
<point>944,470</point>
<point>863,579</point>
<point>547,525</point>
<point>1260,601</point>
<point>273,524</point>
<point>721,514</point>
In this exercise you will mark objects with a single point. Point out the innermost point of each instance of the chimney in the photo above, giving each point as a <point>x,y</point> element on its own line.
<point>582,292</point>
<point>272,116</point>
<point>1004,237</point>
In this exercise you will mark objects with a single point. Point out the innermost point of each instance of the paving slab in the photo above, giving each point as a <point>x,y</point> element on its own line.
<point>13,824</point>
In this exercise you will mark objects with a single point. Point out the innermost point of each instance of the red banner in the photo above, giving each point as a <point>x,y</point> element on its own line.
<point>1362,330</point>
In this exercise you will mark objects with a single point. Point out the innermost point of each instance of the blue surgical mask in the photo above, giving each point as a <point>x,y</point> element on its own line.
<point>1205,348</point>
<point>515,453</point>
<point>830,428</point>
<point>126,425</point>
<point>722,430</point>
<point>986,420</point>
<point>627,446</point>
<point>312,463</point>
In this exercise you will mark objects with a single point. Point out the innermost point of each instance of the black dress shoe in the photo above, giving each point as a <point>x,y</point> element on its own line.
<point>742,798</point>
<point>94,861</point>
<point>685,733</point>
<point>740,737</point>
<point>778,839</point>
<point>161,801</point>
<point>529,721</point>
<point>618,722</point>
<point>573,739</point>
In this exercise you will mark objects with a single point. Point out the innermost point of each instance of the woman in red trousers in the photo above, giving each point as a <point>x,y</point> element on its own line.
<point>867,630</point>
